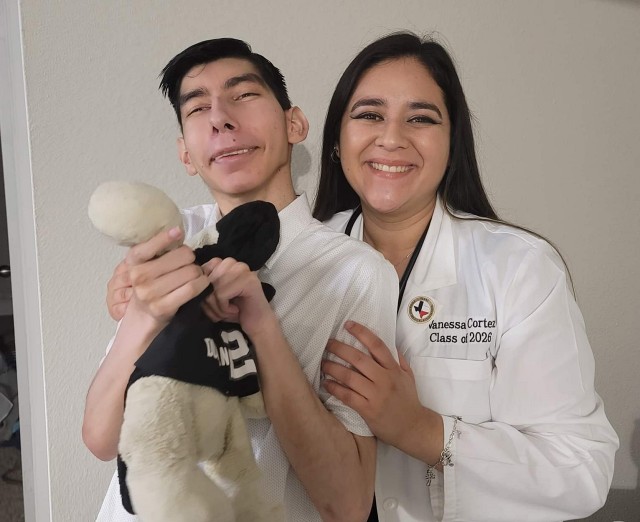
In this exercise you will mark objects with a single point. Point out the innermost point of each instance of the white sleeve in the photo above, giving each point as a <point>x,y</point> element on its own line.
<point>548,452</point>
<point>108,349</point>
<point>371,301</point>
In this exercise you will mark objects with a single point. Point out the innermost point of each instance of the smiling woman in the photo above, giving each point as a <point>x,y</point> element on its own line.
<point>394,144</point>
<point>490,414</point>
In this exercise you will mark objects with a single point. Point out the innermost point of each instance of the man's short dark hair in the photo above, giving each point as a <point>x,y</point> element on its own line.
<point>209,51</point>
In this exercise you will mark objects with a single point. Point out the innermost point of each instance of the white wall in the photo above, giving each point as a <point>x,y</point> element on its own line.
<point>553,85</point>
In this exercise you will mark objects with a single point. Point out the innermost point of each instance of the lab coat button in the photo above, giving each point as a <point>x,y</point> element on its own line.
<point>390,503</point>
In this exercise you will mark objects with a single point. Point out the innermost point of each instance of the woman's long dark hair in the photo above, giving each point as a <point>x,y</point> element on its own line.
<point>461,187</point>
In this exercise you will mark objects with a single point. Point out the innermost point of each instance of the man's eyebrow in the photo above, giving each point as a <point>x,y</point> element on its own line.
<point>228,84</point>
<point>379,102</point>
<point>248,77</point>
<point>194,93</point>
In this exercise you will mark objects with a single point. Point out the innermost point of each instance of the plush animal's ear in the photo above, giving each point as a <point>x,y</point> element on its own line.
<point>250,233</point>
<point>185,158</point>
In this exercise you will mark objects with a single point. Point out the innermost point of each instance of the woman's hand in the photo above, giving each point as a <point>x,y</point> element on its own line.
<point>162,282</point>
<point>119,291</point>
<point>383,392</point>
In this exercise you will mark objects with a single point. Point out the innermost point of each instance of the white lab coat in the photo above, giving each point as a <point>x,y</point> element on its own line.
<point>503,346</point>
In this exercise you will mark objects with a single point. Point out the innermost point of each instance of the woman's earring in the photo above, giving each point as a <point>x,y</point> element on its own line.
<point>335,154</point>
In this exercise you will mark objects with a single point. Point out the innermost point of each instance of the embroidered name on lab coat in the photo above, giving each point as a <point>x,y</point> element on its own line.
<point>471,330</point>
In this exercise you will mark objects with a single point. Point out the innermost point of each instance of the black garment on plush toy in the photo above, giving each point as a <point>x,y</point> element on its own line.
<point>192,348</point>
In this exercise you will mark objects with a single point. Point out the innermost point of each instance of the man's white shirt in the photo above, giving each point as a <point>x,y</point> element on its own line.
<point>322,279</point>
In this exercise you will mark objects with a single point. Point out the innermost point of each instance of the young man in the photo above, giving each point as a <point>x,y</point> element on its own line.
<point>238,129</point>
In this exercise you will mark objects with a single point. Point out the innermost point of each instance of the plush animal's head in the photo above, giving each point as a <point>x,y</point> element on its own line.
<point>133,212</point>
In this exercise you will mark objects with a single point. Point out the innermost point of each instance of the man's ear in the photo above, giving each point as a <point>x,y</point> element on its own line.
<point>297,125</point>
<point>183,154</point>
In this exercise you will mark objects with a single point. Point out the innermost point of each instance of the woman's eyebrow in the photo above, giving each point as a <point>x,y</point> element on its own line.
<point>379,102</point>
<point>376,102</point>
<point>425,105</point>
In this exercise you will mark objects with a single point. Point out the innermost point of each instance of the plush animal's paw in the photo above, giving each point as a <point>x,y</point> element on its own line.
<point>207,236</point>
<point>252,406</point>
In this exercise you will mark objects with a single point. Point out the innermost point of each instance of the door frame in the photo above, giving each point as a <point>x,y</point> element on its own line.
<point>19,195</point>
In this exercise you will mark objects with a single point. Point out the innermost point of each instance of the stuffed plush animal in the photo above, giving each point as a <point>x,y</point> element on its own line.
<point>184,454</point>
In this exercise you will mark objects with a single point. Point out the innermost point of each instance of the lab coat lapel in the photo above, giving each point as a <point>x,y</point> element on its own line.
<point>435,268</point>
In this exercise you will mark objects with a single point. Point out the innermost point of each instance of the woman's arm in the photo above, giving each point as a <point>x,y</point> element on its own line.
<point>546,453</point>
<point>548,448</point>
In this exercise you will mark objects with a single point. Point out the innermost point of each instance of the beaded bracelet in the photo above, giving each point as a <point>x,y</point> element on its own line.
<point>446,457</point>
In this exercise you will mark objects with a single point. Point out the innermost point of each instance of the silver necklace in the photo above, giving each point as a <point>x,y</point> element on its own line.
<point>367,239</point>
<point>395,265</point>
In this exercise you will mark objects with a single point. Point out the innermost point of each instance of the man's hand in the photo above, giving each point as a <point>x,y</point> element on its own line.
<point>162,283</point>
<point>237,295</point>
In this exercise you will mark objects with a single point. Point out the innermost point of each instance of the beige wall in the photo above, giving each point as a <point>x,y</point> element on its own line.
<point>554,87</point>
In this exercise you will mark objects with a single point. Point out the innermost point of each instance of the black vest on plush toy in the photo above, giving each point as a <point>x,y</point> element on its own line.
<point>192,348</point>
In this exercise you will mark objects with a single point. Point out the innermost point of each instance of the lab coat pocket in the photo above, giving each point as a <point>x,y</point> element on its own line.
<point>454,386</point>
